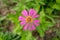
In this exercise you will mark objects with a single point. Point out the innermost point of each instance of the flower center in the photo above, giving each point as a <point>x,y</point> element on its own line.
<point>29,19</point>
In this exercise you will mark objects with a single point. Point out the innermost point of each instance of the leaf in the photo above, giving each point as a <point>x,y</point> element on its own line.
<point>41,28</point>
<point>15,0</point>
<point>40,1</point>
<point>50,18</point>
<point>56,6</point>
<point>49,11</point>
<point>42,16</point>
<point>37,7</point>
<point>41,32</point>
<point>55,38</point>
<point>1,39</point>
<point>58,1</point>
<point>2,18</point>
<point>49,24</point>
<point>27,36</point>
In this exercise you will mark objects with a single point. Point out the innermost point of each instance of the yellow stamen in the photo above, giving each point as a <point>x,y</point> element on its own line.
<point>29,19</point>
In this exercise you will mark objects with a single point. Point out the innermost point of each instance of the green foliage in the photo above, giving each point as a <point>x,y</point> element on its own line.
<point>8,36</point>
<point>2,18</point>
<point>56,6</point>
<point>44,25</point>
<point>58,1</point>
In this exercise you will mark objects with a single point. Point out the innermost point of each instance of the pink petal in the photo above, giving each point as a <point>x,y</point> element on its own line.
<point>25,13</point>
<point>35,16</point>
<point>32,12</point>
<point>36,22</point>
<point>30,28</point>
<point>26,26</point>
<point>33,27</point>
<point>21,18</point>
<point>23,23</point>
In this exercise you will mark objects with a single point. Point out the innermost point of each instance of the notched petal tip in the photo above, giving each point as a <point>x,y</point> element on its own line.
<point>36,22</point>
<point>33,27</point>
<point>32,12</point>
<point>25,27</point>
<point>23,23</point>
<point>21,18</point>
<point>25,13</point>
<point>36,16</point>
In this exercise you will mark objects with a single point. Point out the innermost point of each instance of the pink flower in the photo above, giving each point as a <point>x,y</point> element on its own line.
<point>28,20</point>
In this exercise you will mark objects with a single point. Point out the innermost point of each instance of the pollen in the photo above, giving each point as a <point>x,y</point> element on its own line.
<point>29,19</point>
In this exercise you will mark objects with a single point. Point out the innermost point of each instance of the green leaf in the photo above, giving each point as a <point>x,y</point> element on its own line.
<point>37,7</point>
<point>49,17</point>
<point>49,24</point>
<point>55,38</point>
<point>1,39</point>
<point>49,11</point>
<point>27,36</point>
<point>2,18</point>
<point>40,1</point>
<point>41,32</point>
<point>43,27</point>
<point>42,16</point>
<point>56,6</point>
<point>58,1</point>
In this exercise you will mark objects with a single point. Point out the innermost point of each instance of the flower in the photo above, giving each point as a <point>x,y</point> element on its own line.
<point>28,19</point>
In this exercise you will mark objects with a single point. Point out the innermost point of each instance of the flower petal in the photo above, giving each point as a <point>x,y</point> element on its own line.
<point>33,27</point>
<point>30,28</point>
<point>32,12</point>
<point>25,27</point>
<point>36,22</point>
<point>23,23</point>
<point>21,18</point>
<point>25,13</point>
<point>35,16</point>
